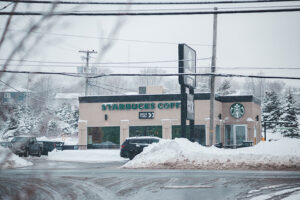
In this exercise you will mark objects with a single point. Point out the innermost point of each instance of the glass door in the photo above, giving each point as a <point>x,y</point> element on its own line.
<point>235,134</point>
<point>240,134</point>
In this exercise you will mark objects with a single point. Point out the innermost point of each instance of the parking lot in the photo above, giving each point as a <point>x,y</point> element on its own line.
<point>74,180</point>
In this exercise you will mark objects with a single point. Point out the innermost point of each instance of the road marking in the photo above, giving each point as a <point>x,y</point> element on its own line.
<point>185,186</point>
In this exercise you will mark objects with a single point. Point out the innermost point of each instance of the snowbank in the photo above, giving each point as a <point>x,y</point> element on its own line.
<point>66,140</point>
<point>180,153</point>
<point>90,156</point>
<point>10,160</point>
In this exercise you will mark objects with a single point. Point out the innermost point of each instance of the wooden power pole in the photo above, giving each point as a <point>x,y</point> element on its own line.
<point>87,68</point>
<point>212,80</point>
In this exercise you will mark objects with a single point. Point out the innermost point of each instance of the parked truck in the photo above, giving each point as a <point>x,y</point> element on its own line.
<point>26,145</point>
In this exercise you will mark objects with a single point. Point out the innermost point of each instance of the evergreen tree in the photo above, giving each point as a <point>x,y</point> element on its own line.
<point>271,110</point>
<point>289,115</point>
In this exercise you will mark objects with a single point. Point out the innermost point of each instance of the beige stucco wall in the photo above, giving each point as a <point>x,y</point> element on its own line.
<point>251,111</point>
<point>95,117</point>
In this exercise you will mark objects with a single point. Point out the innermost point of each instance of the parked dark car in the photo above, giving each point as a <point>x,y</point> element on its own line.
<point>5,144</point>
<point>26,145</point>
<point>59,145</point>
<point>135,145</point>
<point>244,144</point>
<point>49,146</point>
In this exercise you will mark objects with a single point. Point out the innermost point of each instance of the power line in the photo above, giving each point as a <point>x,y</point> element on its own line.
<point>106,38</point>
<point>186,9</point>
<point>105,63</point>
<point>165,67</point>
<point>151,13</point>
<point>44,73</point>
<point>148,3</point>
<point>150,74</point>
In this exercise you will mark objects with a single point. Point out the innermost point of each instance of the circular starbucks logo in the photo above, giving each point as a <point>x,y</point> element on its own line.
<point>237,110</point>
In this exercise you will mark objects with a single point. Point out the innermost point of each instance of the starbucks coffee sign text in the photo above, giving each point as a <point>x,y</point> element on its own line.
<point>140,106</point>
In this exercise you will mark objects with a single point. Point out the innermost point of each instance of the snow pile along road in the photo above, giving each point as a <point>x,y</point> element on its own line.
<point>10,160</point>
<point>180,153</point>
<point>89,156</point>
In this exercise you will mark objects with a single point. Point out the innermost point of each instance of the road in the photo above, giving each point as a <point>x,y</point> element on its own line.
<point>72,180</point>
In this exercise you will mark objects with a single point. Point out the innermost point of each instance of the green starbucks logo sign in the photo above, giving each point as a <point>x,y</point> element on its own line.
<point>237,110</point>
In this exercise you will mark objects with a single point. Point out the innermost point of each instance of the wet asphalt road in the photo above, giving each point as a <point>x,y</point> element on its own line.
<point>70,180</point>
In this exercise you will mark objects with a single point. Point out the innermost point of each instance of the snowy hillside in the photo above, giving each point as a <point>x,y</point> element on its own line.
<point>181,154</point>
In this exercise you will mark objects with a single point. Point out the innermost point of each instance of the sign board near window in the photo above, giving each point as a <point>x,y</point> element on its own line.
<point>187,64</point>
<point>146,115</point>
<point>190,107</point>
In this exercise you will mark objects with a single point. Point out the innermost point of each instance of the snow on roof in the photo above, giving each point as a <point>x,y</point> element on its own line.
<point>67,95</point>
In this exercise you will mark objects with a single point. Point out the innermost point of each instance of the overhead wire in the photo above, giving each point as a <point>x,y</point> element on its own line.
<point>108,38</point>
<point>105,63</point>
<point>19,13</point>
<point>89,75</point>
<point>148,2</point>
<point>186,9</point>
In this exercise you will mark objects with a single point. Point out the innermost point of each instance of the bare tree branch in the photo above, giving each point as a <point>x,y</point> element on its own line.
<point>7,24</point>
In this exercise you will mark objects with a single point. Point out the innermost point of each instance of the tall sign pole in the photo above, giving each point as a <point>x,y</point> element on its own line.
<point>212,81</point>
<point>87,68</point>
<point>187,65</point>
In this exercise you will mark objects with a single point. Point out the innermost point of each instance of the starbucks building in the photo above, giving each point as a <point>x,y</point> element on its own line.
<point>111,119</point>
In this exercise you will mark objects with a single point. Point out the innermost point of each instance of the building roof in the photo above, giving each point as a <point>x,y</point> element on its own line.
<point>164,97</point>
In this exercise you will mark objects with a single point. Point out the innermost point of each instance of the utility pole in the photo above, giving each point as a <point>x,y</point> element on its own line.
<point>87,68</point>
<point>212,80</point>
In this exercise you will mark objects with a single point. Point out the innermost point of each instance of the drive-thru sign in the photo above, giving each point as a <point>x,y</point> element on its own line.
<point>187,67</point>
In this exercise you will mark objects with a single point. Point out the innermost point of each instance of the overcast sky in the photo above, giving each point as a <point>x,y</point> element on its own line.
<point>244,40</point>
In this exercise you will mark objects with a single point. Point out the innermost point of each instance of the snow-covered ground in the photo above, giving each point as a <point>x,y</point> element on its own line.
<point>10,160</point>
<point>89,156</point>
<point>181,153</point>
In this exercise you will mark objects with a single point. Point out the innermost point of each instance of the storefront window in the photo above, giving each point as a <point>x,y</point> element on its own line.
<point>228,135</point>
<point>145,131</point>
<point>103,135</point>
<point>218,135</point>
<point>199,133</point>
<point>240,132</point>
<point>176,132</point>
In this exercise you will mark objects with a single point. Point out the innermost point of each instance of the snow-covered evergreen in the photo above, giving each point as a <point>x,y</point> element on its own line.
<point>24,120</point>
<point>271,109</point>
<point>289,115</point>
